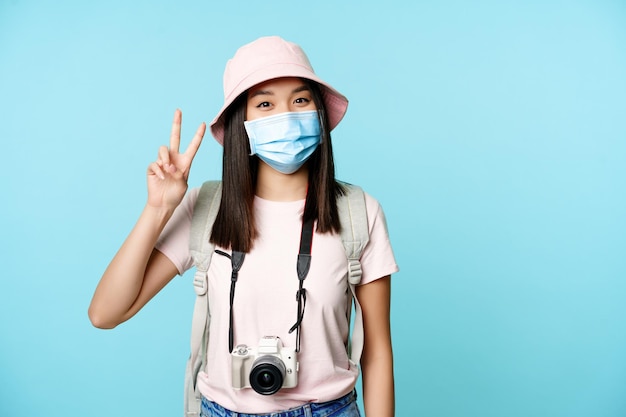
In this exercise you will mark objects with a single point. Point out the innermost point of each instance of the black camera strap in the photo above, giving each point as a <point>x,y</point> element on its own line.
<point>302,268</point>
<point>236,261</point>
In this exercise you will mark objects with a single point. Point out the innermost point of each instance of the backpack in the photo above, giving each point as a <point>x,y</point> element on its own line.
<point>354,236</point>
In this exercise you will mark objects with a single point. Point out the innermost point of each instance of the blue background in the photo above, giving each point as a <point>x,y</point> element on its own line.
<point>492,132</point>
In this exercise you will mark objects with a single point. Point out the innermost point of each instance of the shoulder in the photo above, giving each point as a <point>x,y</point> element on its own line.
<point>377,259</point>
<point>174,239</point>
<point>189,201</point>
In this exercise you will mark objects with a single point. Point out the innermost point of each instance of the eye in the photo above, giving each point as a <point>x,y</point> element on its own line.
<point>301,100</point>
<point>263,104</point>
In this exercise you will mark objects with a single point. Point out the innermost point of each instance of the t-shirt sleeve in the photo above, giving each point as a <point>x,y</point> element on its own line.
<point>174,239</point>
<point>377,259</point>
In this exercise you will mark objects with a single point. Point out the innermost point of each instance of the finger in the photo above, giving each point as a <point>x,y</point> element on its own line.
<point>192,149</point>
<point>155,169</point>
<point>163,170</point>
<point>175,134</point>
<point>164,156</point>
<point>174,172</point>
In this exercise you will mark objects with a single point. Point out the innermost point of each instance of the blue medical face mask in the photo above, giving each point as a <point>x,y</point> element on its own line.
<point>285,141</point>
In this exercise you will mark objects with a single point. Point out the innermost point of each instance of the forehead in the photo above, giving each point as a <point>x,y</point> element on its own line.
<point>278,84</point>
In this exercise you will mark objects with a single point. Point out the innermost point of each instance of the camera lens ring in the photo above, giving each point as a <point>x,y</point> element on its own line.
<point>267,374</point>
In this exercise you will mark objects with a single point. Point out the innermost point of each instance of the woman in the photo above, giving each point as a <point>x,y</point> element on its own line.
<point>273,181</point>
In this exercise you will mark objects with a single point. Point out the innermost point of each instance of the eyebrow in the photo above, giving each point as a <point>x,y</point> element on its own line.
<point>303,87</point>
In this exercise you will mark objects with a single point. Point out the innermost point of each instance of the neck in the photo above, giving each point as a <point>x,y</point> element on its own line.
<point>275,186</point>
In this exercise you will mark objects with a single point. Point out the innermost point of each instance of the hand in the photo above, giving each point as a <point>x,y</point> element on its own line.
<point>167,176</point>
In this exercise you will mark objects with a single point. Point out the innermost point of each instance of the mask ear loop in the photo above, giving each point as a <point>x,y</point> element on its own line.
<point>321,118</point>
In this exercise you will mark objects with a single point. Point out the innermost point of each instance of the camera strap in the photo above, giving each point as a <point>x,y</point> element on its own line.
<point>236,261</point>
<point>302,268</point>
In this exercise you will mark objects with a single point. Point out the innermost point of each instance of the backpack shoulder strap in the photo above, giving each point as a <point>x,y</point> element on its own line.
<point>201,250</point>
<point>354,236</point>
<point>204,214</point>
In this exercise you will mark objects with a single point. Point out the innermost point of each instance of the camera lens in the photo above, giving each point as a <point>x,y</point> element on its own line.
<point>266,379</point>
<point>267,374</point>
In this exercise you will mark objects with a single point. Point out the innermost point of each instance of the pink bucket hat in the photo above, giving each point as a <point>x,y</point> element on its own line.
<point>265,59</point>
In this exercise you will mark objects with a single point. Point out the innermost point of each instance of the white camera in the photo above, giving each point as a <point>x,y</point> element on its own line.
<point>266,369</point>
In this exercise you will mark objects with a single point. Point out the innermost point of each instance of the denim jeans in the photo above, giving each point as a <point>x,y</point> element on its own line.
<point>343,407</point>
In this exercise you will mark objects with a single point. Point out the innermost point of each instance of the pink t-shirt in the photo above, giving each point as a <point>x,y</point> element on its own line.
<point>265,302</point>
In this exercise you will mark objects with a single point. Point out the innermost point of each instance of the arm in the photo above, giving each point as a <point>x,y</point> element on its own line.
<point>377,357</point>
<point>138,271</point>
<point>135,275</point>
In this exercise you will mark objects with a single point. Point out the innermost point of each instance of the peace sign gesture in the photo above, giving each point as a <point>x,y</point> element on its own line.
<point>167,176</point>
